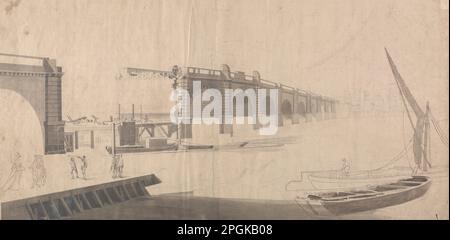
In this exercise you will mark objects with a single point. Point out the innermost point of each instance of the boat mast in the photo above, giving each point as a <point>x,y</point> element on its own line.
<point>426,143</point>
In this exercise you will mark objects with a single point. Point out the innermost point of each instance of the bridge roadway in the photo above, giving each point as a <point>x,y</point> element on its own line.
<point>294,105</point>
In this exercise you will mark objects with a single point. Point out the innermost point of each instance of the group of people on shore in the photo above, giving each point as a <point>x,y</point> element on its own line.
<point>39,172</point>
<point>116,168</point>
<point>14,180</point>
<point>73,166</point>
<point>116,164</point>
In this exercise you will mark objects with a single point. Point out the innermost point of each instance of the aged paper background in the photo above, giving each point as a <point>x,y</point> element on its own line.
<point>335,48</point>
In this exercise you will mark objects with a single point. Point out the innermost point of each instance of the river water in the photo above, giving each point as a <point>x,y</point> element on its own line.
<point>249,183</point>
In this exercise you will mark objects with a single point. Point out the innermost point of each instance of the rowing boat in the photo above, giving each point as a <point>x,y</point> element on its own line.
<point>365,199</point>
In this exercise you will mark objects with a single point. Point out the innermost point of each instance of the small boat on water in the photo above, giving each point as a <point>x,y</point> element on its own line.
<point>358,200</point>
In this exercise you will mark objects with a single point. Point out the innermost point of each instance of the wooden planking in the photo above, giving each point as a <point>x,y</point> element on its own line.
<point>97,198</point>
<point>66,206</point>
<point>31,212</point>
<point>62,205</point>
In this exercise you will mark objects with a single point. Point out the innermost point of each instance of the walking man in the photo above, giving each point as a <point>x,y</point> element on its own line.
<point>42,172</point>
<point>113,168</point>
<point>83,166</point>
<point>17,170</point>
<point>119,166</point>
<point>38,171</point>
<point>73,167</point>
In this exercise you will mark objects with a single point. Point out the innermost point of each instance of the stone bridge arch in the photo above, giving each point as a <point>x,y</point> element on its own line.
<point>40,85</point>
<point>286,105</point>
<point>21,129</point>
<point>286,108</point>
<point>301,108</point>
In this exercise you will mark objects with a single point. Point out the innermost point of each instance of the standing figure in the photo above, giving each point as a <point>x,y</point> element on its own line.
<point>113,168</point>
<point>17,170</point>
<point>73,167</point>
<point>345,169</point>
<point>42,172</point>
<point>83,166</point>
<point>38,171</point>
<point>119,165</point>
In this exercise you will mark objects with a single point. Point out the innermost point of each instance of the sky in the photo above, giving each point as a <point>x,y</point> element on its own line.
<point>333,47</point>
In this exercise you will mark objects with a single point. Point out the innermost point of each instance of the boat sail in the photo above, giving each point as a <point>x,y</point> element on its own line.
<point>336,179</point>
<point>422,126</point>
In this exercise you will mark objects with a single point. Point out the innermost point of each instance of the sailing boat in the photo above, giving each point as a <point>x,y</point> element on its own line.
<point>385,194</point>
<point>337,179</point>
